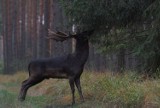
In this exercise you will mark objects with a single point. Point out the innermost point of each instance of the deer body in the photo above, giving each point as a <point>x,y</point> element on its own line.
<point>61,67</point>
<point>68,67</point>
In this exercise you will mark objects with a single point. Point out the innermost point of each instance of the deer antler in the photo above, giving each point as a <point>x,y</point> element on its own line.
<point>62,33</point>
<point>58,36</point>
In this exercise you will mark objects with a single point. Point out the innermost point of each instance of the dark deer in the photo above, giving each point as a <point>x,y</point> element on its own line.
<point>69,66</point>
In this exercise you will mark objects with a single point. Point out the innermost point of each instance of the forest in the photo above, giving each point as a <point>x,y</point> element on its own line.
<point>126,36</point>
<point>124,50</point>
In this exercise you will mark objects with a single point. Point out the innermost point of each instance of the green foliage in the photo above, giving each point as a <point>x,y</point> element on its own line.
<point>149,48</point>
<point>121,24</point>
<point>99,14</point>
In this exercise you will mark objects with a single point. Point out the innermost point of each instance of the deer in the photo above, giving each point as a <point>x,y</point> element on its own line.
<point>69,66</point>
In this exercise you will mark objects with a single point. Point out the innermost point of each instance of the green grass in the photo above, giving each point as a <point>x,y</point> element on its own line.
<point>9,100</point>
<point>101,90</point>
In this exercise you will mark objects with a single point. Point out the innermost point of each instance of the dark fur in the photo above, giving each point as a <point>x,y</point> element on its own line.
<point>69,67</point>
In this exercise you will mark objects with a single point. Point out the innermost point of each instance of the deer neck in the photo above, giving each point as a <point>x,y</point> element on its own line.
<point>82,51</point>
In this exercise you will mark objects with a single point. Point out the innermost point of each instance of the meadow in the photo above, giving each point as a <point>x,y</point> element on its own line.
<point>101,90</point>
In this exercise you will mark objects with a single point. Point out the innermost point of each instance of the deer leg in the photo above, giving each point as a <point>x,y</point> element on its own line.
<point>78,85</point>
<point>71,82</point>
<point>26,85</point>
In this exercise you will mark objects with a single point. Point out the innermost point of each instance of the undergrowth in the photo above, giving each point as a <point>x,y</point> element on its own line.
<point>100,90</point>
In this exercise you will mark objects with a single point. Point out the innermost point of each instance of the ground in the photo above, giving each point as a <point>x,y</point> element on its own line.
<point>101,90</point>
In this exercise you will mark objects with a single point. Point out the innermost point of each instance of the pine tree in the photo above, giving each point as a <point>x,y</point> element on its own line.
<point>131,25</point>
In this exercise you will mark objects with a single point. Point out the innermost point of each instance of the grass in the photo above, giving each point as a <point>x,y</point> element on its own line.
<point>100,90</point>
<point>9,100</point>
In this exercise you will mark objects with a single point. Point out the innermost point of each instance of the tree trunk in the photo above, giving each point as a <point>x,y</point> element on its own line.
<point>46,26</point>
<point>8,68</point>
<point>121,60</point>
<point>41,29</point>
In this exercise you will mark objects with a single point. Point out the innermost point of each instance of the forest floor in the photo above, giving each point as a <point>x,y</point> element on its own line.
<point>101,90</point>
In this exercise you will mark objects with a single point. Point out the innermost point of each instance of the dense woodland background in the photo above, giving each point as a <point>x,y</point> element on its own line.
<point>127,35</point>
